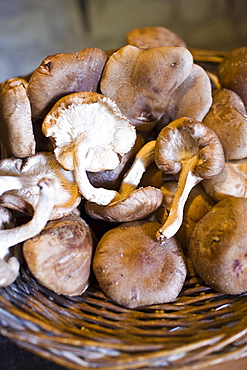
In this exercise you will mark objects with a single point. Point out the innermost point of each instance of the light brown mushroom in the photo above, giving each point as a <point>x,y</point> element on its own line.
<point>18,179</point>
<point>62,74</point>
<point>227,117</point>
<point>9,267</point>
<point>16,126</point>
<point>218,246</point>
<point>89,134</point>
<point>153,36</point>
<point>232,72</point>
<point>193,151</point>
<point>134,270</point>
<point>231,181</point>
<point>60,256</point>
<point>130,203</point>
<point>156,84</point>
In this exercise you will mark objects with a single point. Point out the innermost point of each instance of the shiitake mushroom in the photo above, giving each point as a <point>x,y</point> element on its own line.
<point>60,256</point>
<point>134,269</point>
<point>218,246</point>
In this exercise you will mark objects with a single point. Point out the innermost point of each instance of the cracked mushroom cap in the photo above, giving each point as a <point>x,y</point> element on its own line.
<point>64,73</point>
<point>227,117</point>
<point>18,180</point>
<point>17,135</point>
<point>149,37</point>
<point>142,81</point>
<point>89,134</point>
<point>218,246</point>
<point>134,270</point>
<point>232,72</point>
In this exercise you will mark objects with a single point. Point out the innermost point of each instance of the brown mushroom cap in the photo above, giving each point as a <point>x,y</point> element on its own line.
<point>227,117</point>
<point>64,73</point>
<point>137,205</point>
<point>148,37</point>
<point>231,181</point>
<point>60,256</point>
<point>232,72</point>
<point>218,246</point>
<point>134,270</point>
<point>15,120</point>
<point>142,81</point>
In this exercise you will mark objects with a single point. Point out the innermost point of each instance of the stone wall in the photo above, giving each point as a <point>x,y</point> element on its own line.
<point>32,29</point>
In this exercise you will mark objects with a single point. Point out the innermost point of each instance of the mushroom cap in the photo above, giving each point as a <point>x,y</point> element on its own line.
<point>15,122</point>
<point>142,81</point>
<point>232,72</point>
<point>60,256</point>
<point>231,181</point>
<point>137,205</point>
<point>107,134</point>
<point>31,170</point>
<point>64,73</point>
<point>153,36</point>
<point>134,270</point>
<point>185,138</point>
<point>218,246</point>
<point>227,117</point>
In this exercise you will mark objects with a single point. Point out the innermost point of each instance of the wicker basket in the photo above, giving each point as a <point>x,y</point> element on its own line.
<point>201,328</point>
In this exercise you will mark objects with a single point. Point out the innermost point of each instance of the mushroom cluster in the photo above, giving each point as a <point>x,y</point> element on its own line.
<point>123,167</point>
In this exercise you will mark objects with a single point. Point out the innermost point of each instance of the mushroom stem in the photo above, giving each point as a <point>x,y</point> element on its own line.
<point>8,271</point>
<point>100,196</point>
<point>187,180</point>
<point>11,237</point>
<point>143,159</point>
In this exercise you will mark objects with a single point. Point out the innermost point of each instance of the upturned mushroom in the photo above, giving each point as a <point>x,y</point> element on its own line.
<point>89,134</point>
<point>60,256</point>
<point>18,179</point>
<point>232,72</point>
<point>130,203</point>
<point>134,270</point>
<point>62,74</point>
<point>191,150</point>
<point>9,267</point>
<point>218,246</point>
<point>16,126</point>
<point>227,117</point>
<point>153,36</point>
<point>156,84</point>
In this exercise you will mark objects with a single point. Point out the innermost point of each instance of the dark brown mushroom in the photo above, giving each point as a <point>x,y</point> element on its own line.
<point>232,72</point>
<point>64,73</point>
<point>227,117</point>
<point>134,270</point>
<point>60,256</point>
<point>153,36</point>
<point>218,246</point>
<point>17,135</point>
<point>154,84</point>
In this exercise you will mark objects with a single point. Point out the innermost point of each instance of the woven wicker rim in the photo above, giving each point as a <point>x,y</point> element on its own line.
<point>201,328</point>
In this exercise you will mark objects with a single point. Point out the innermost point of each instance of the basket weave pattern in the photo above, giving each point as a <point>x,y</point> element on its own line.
<point>201,327</point>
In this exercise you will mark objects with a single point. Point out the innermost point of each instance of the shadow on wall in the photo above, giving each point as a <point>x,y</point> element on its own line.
<point>32,29</point>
